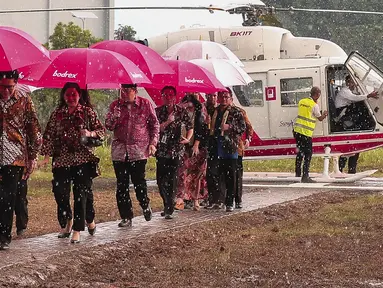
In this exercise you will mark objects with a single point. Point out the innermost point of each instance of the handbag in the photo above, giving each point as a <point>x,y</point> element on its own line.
<point>90,141</point>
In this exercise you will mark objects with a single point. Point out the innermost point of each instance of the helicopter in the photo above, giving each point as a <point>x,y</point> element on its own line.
<point>284,69</point>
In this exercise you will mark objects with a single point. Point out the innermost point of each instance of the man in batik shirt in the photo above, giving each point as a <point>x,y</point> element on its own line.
<point>226,129</point>
<point>20,140</point>
<point>136,128</point>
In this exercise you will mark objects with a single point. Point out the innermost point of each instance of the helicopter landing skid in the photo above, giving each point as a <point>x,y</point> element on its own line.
<point>317,177</point>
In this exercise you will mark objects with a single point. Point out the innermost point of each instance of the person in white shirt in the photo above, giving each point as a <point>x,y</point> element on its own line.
<point>346,97</point>
<point>344,102</point>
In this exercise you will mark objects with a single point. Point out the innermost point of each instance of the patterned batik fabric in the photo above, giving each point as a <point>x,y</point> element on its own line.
<point>62,136</point>
<point>20,132</point>
<point>134,130</point>
<point>169,143</point>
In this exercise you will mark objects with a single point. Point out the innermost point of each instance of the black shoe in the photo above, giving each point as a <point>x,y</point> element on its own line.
<point>125,223</point>
<point>229,208</point>
<point>238,205</point>
<point>307,180</point>
<point>92,231</point>
<point>64,235</point>
<point>72,241</point>
<point>188,204</point>
<point>209,206</point>
<point>21,232</point>
<point>218,206</point>
<point>4,246</point>
<point>169,216</point>
<point>162,213</point>
<point>148,213</point>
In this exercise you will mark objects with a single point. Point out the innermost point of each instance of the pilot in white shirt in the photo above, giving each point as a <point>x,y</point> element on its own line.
<point>346,97</point>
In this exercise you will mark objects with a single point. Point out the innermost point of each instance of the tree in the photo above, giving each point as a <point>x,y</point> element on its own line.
<point>70,36</point>
<point>350,31</point>
<point>125,32</point>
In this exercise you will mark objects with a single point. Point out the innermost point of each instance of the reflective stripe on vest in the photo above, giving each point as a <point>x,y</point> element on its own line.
<point>305,122</point>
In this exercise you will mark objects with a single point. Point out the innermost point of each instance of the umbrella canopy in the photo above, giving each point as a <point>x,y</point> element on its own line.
<point>196,49</point>
<point>25,88</point>
<point>149,61</point>
<point>18,49</point>
<point>90,68</point>
<point>188,77</point>
<point>228,73</point>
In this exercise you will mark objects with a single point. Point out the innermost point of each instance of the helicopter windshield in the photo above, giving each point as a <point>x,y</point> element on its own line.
<point>369,76</point>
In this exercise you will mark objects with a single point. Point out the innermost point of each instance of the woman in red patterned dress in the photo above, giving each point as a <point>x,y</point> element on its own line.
<point>193,168</point>
<point>71,125</point>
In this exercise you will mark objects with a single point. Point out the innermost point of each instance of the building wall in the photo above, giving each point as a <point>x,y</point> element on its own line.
<point>41,25</point>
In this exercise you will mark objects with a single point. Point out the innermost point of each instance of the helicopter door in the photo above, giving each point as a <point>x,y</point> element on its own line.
<point>291,86</point>
<point>369,78</point>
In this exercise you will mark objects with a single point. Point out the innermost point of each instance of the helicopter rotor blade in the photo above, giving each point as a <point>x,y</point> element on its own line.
<point>292,9</point>
<point>209,8</point>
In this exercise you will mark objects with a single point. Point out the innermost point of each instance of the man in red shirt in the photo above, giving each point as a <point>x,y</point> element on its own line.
<point>133,120</point>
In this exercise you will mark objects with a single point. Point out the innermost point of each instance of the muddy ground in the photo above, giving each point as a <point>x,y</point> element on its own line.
<point>326,240</point>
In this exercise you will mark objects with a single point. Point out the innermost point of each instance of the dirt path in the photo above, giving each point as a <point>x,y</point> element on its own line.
<point>324,240</point>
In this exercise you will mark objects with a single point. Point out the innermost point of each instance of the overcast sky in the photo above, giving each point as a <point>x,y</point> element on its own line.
<point>149,23</point>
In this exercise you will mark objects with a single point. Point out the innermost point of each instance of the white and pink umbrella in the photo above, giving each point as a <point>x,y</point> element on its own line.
<point>228,73</point>
<point>197,49</point>
<point>188,77</point>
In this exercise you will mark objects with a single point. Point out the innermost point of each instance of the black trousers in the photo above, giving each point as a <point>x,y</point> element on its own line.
<point>227,172</point>
<point>238,180</point>
<point>215,184</point>
<point>81,177</point>
<point>10,176</point>
<point>305,150</point>
<point>21,205</point>
<point>167,181</point>
<point>352,163</point>
<point>136,170</point>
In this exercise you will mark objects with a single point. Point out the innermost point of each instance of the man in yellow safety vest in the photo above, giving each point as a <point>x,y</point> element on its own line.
<point>308,114</point>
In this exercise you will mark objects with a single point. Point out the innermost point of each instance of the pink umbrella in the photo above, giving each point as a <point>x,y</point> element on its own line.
<point>149,61</point>
<point>197,49</point>
<point>188,77</point>
<point>18,49</point>
<point>156,96</point>
<point>90,68</point>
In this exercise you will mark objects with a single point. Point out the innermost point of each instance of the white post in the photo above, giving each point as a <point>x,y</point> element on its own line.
<point>336,166</point>
<point>326,164</point>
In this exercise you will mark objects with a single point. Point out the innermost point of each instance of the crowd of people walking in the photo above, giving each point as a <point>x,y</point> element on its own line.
<point>198,148</point>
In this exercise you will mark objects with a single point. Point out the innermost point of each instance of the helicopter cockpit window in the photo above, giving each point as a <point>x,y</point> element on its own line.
<point>251,94</point>
<point>371,79</point>
<point>293,90</point>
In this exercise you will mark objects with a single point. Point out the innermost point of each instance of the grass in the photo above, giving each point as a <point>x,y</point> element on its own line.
<point>40,180</point>
<point>368,160</point>
<point>351,217</point>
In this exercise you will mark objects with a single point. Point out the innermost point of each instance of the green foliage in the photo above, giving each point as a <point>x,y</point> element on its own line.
<point>350,31</point>
<point>70,36</point>
<point>125,32</point>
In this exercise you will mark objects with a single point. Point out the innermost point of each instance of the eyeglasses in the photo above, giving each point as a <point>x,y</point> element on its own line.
<point>168,95</point>
<point>225,97</point>
<point>8,87</point>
